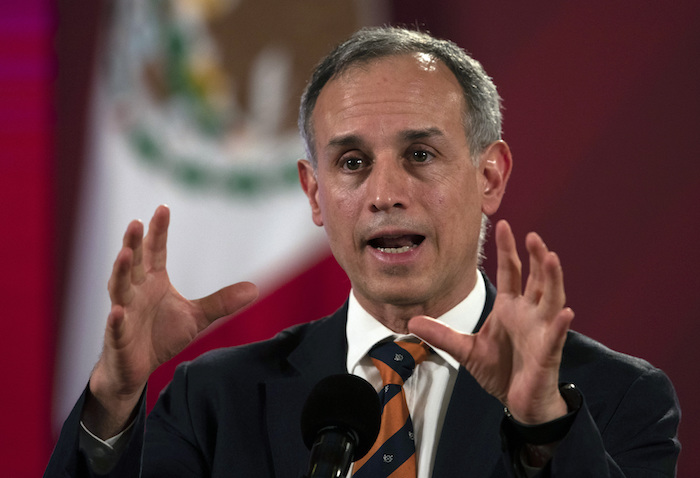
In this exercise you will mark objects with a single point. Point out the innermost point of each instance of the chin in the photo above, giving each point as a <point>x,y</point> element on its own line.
<point>399,296</point>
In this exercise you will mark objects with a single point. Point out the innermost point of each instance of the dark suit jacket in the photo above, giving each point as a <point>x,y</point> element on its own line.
<point>235,412</point>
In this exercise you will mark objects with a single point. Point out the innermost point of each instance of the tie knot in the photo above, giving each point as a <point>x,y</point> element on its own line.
<point>397,360</point>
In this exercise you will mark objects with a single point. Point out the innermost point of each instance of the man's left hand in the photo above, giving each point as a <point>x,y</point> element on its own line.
<point>516,355</point>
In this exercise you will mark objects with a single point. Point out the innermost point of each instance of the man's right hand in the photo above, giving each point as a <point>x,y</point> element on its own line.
<point>149,323</point>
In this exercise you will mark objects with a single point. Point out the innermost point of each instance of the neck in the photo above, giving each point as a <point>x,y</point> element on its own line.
<point>395,317</point>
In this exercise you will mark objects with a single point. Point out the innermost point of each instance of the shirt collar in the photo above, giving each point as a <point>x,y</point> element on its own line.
<point>363,330</point>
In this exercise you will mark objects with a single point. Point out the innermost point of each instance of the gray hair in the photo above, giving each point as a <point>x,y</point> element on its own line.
<point>482,121</point>
<point>482,116</point>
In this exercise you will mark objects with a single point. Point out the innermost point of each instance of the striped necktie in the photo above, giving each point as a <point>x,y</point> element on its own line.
<point>394,453</point>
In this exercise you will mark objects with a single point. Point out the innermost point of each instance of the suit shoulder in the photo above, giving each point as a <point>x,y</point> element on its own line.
<point>606,376</point>
<point>583,351</point>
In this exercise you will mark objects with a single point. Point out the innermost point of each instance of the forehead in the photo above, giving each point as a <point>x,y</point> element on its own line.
<point>414,88</point>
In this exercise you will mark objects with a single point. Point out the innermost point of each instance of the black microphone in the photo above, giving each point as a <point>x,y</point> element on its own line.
<point>339,424</point>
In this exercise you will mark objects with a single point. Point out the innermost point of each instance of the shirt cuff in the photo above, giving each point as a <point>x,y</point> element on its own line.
<point>102,455</point>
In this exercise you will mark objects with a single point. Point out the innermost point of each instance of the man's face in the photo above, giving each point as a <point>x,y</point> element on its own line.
<point>395,186</point>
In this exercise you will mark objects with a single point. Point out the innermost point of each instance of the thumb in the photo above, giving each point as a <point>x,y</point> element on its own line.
<point>440,335</point>
<point>228,300</point>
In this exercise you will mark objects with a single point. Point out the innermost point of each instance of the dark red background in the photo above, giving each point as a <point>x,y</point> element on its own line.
<point>602,113</point>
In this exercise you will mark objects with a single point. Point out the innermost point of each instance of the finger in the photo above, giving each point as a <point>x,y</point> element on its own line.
<point>119,285</point>
<point>553,296</point>
<point>155,243</point>
<point>443,337</point>
<point>133,239</point>
<point>227,301</point>
<point>115,326</point>
<point>509,271</point>
<point>536,278</point>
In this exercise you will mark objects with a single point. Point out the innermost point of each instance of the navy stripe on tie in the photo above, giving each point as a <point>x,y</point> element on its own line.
<point>388,392</point>
<point>396,357</point>
<point>391,455</point>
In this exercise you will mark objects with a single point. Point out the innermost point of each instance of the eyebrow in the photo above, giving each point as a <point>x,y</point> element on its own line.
<point>414,134</point>
<point>406,135</point>
<point>344,141</point>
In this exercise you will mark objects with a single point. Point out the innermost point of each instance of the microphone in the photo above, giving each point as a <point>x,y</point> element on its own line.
<point>339,424</point>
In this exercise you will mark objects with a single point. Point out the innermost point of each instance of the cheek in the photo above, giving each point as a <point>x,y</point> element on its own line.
<point>437,191</point>
<point>436,200</point>
<point>456,210</point>
<point>451,197</point>
<point>338,208</point>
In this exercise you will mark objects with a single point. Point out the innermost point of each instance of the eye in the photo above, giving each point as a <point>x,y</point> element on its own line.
<point>353,163</point>
<point>420,156</point>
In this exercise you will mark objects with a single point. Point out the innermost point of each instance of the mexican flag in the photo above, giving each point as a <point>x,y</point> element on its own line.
<point>194,105</point>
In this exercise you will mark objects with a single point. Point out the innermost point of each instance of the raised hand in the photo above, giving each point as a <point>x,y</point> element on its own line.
<point>516,355</point>
<point>149,323</point>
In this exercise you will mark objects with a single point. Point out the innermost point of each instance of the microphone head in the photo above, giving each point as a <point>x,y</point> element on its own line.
<point>345,401</point>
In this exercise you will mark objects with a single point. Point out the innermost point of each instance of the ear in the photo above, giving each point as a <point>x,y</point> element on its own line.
<point>309,183</point>
<point>495,166</point>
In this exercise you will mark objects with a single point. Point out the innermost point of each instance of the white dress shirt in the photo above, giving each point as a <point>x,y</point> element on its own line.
<point>429,389</point>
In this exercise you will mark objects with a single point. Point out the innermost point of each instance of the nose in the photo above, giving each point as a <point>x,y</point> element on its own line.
<point>387,185</point>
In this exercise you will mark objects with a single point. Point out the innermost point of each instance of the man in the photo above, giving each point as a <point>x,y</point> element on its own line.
<point>405,162</point>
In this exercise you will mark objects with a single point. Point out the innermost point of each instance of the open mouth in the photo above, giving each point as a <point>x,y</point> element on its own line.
<point>396,244</point>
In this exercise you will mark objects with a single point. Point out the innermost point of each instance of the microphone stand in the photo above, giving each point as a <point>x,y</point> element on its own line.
<point>332,453</point>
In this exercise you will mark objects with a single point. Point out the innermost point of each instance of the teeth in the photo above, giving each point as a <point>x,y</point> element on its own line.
<point>396,250</point>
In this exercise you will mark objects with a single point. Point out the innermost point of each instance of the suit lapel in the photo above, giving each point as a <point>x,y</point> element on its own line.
<point>285,397</point>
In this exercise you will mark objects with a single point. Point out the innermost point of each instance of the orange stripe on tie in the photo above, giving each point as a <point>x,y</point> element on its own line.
<point>393,454</point>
